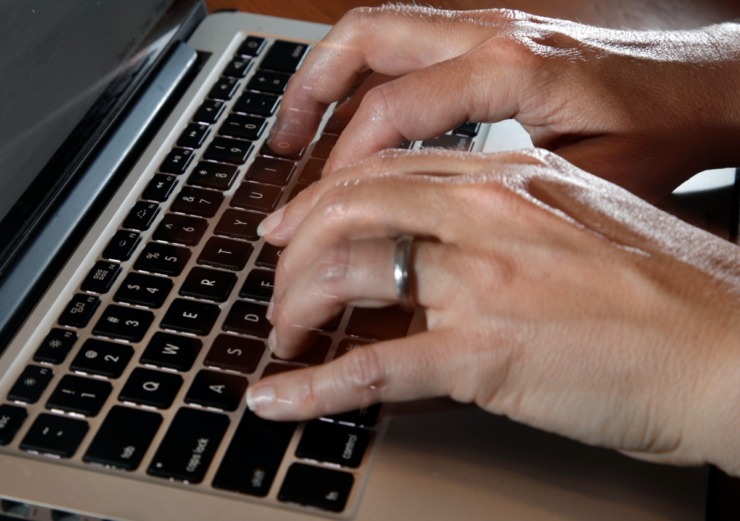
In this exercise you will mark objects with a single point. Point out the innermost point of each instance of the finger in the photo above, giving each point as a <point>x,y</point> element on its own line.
<point>279,227</point>
<point>420,366</point>
<point>454,91</point>
<point>375,39</point>
<point>351,272</point>
<point>345,109</point>
<point>357,273</point>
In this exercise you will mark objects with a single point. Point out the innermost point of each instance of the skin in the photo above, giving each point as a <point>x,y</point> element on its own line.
<point>550,295</point>
<point>644,109</point>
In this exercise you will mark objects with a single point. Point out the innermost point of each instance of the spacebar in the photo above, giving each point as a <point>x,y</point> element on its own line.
<point>254,455</point>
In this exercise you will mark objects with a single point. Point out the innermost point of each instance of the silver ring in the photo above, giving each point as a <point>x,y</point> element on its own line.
<point>402,272</point>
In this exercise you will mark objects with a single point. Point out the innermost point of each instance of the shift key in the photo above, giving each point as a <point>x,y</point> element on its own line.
<point>189,445</point>
<point>254,455</point>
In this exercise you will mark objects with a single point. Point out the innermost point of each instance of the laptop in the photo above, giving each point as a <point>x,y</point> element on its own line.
<point>133,289</point>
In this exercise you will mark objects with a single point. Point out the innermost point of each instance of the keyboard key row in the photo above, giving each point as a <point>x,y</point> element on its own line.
<point>256,450</point>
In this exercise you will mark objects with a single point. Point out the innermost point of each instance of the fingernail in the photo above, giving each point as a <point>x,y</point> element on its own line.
<point>270,307</point>
<point>270,222</point>
<point>260,397</point>
<point>272,340</point>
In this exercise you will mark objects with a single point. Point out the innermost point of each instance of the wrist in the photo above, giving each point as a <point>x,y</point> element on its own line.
<point>718,422</point>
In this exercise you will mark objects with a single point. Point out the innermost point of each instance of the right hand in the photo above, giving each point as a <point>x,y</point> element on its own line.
<point>550,296</point>
<point>644,109</point>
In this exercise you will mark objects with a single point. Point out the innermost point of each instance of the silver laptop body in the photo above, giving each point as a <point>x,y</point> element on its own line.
<point>433,460</point>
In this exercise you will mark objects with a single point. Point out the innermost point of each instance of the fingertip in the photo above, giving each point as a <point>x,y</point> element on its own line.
<point>260,398</point>
<point>271,222</point>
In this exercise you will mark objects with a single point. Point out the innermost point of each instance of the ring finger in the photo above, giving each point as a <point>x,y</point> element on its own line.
<point>359,273</point>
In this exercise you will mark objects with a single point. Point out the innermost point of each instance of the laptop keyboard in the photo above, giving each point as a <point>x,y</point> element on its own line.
<point>146,370</point>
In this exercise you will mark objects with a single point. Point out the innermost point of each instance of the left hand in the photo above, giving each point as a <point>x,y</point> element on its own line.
<point>551,296</point>
<point>643,109</point>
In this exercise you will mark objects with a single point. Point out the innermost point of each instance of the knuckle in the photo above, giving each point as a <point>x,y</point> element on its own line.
<point>513,48</point>
<point>308,395</point>
<point>363,370</point>
<point>377,104</point>
<point>357,19</point>
<point>333,265</point>
<point>335,206</point>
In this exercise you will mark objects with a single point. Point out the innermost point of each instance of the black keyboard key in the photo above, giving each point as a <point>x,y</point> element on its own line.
<point>284,56</point>
<point>181,229</point>
<point>152,388</point>
<point>227,150</point>
<point>55,347</point>
<point>333,324</point>
<point>101,277</point>
<point>79,311</point>
<point>312,170</point>
<point>123,438</point>
<point>218,176</point>
<point>53,434</point>
<point>248,319</point>
<point>165,259</point>
<point>193,136</point>
<point>379,323</point>
<point>259,285</point>
<point>217,390</point>
<point>141,216</point>
<point>297,189</point>
<point>124,322</point>
<point>450,142</point>
<point>315,354</point>
<point>268,81</point>
<point>189,445</point>
<point>121,246</point>
<point>239,224</point>
<point>365,417</point>
<point>208,284</point>
<point>275,368</point>
<point>333,443</point>
<point>269,256</point>
<point>177,161</point>
<point>172,351</point>
<point>324,146</point>
<point>243,127</point>
<point>98,357</point>
<point>257,104</point>
<point>467,129</point>
<point>11,420</point>
<point>159,188</point>
<point>144,290</point>
<point>238,67</point>
<point>31,384</point>
<point>256,196</point>
<point>235,353</point>
<point>209,111</point>
<point>251,46</point>
<point>327,489</point>
<point>225,253</point>
<point>190,316</point>
<point>267,150</point>
<point>224,89</point>
<point>270,171</point>
<point>80,395</point>
<point>254,455</point>
<point>197,201</point>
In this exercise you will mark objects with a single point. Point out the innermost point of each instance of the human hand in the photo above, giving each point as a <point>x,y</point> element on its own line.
<point>550,296</point>
<point>644,109</point>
